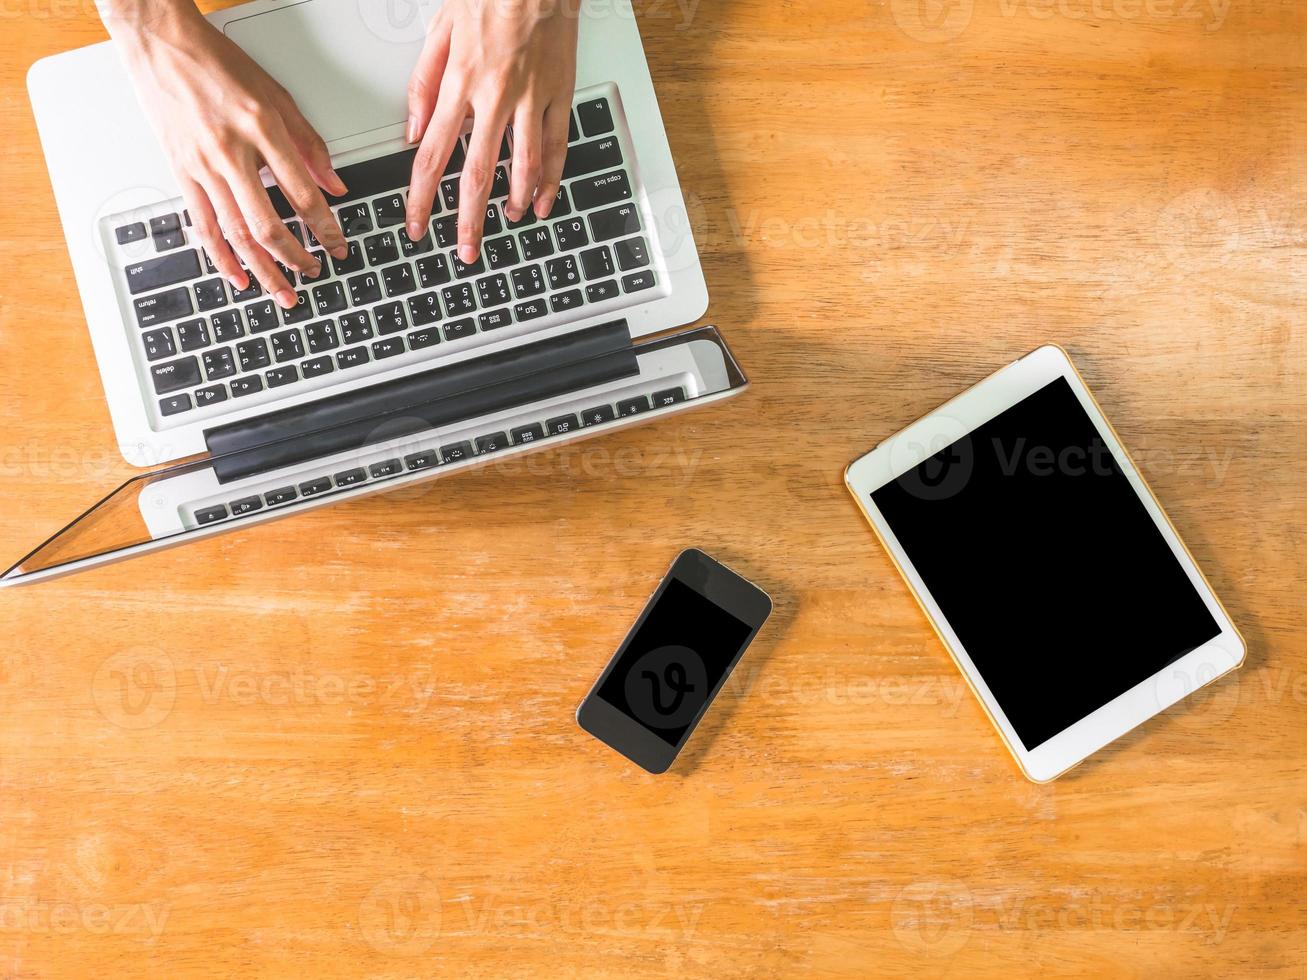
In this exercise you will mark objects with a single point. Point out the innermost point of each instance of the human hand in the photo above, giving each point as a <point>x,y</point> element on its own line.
<point>220,118</point>
<point>502,62</point>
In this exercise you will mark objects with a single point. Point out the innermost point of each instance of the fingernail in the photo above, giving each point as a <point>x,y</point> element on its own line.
<point>285,299</point>
<point>512,213</point>
<point>412,133</point>
<point>340,252</point>
<point>467,253</point>
<point>414,230</point>
<point>240,282</point>
<point>339,184</point>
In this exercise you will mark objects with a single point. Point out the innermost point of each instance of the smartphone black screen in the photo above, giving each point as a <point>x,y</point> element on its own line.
<point>674,661</point>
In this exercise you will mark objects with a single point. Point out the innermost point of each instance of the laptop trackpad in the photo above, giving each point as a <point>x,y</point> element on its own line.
<point>346,62</point>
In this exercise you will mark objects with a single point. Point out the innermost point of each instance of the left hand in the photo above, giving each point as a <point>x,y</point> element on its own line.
<point>502,62</point>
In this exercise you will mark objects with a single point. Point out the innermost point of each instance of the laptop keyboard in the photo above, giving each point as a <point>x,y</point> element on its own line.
<point>205,346</point>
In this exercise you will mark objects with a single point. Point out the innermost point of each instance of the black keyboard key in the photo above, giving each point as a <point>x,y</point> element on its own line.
<point>493,290</point>
<point>491,443</point>
<point>426,337</point>
<point>130,233</point>
<point>638,280</point>
<point>586,158</point>
<point>247,384</point>
<point>377,175</point>
<point>615,222</point>
<point>262,316</point>
<point>252,291</point>
<point>389,467</point>
<point>445,230</point>
<point>493,225</point>
<point>219,364</point>
<point>279,203</point>
<point>562,425</point>
<point>209,295</point>
<point>351,357</point>
<point>562,302</point>
<point>158,344</point>
<point>597,263</point>
<point>536,243</point>
<point>389,210</point>
<point>364,289</point>
<point>597,292</point>
<point>388,347</point>
<point>449,193</point>
<point>462,270</point>
<point>563,272</point>
<point>499,186</point>
<point>459,329</point>
<point>324,269</point>
<point>350,477</point>
<point>162,307</point>
<point>530,310</point>
<point>632,254</point>
<point>528,281</point>
<point>459,298</point>
<point>528,433</point>
<point>562,205</point>
<point>598,415</point>
<point>455,451</point>
<point>210,395</point>
<point>316,367</point>
<point>296,231</point>
<point>311,488</point>
<point>528,218</point>
<point>355,219</point>
<point>329,298</point>
<point>175,375</point>
<point>352,262</point>
<point>501,252</point>
<point>424,308</point>
<point>321,336</point>
<point>633,406</point>
<point>283,496</point>
<point>495,319</point>
<point>175,404</point>
<point>355,327</point>
<point>595,117</point>
<point>192,335</point>
<point>421,460</point>
<point>573,134</point>
<point>245,505</point>
<point>252,354</point>
<point>410,248</point>
<point>165,223</point>
<point>571,234</point>
<point>594,192</point>
<point>282,376</point>
<point>286,346</point>
<point>432,271</point>
<point>166,243</point>
<point>227,326</point>
<point>210,514</point>
<point>390,318</point>
<point>668,396</point>
<point>381,249</point>
<point>166,270</point>
<point>399,279</point>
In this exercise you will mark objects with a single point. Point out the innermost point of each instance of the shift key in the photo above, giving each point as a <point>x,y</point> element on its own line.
<point>591,192</point>
<point>181,373</point>
<point>167,270</point>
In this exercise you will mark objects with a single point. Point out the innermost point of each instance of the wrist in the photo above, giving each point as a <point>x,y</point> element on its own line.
<point>138,25</point>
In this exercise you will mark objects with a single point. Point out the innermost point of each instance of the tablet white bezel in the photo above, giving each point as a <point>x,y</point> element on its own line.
<point>975,406</point>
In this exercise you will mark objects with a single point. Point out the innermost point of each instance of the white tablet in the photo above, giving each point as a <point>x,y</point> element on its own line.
<point>1045,563</point>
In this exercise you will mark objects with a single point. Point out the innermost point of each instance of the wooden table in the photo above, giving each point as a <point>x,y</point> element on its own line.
<point>343,744</point>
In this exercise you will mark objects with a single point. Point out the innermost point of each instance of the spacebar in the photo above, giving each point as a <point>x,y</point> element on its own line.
<point>361,180</point>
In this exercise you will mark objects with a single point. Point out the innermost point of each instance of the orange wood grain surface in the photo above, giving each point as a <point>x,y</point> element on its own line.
<point>343,744</point>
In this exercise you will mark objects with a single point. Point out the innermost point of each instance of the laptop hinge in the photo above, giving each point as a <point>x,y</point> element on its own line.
<point>417,402</point>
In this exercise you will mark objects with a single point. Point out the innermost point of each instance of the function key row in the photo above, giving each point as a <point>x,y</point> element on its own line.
<point>448,453</point>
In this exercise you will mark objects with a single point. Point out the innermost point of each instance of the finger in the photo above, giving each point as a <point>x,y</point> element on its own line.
<point>527,128</point>
<point>429,162</point>
<point>204,222</point>
<point>553,154</point>
<point>478,177</point>
<point>264,224</point>
<point>313,151</point>
<point>237,232</point>
<point>424,83</point>
<point>304,196</point>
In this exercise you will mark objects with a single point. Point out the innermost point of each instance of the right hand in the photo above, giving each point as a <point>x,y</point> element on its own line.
<point>221,118</point>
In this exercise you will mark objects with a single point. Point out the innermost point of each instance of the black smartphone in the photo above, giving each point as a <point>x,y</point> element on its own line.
<point>691,634</point>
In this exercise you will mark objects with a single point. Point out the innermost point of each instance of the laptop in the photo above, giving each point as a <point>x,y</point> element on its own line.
<point>399,363</point>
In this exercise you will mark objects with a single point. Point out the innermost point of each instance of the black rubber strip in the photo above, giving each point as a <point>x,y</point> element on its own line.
<point>439,397</point>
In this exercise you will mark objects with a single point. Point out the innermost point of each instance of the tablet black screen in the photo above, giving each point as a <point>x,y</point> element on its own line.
<point>1045,563</point>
